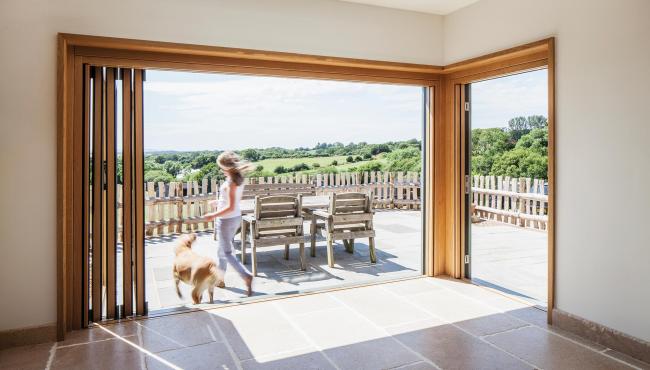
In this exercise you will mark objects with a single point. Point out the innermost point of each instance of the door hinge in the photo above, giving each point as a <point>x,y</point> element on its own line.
<point>466,106</point>
<point>467,259</point>
<point>467,184</point>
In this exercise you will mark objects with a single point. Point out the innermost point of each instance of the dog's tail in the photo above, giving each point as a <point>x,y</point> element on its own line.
<point>176,281</point>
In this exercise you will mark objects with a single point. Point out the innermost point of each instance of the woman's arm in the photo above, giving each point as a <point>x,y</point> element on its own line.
<point>232,191</point>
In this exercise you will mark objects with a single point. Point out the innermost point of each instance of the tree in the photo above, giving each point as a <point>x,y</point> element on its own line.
<point>537,122</point>
<point>536,140</point>
<point>520,126</point>
<point>408,159</point>
<point>358,158</point>
<point>518,123</point>
<point>315,165</point>
<point>280,169</point>
<point>203,159</point>
<point>369,167</point>
<point>335,163</point>
<point>521,162</point>
<point>300,167</point>
<point>173,168</point>
<point>379,148</point>
<point>367,155</point>
<point>486,145</point>
<point>158,175</point>
<point>250,155</point>
<point>349,159</point>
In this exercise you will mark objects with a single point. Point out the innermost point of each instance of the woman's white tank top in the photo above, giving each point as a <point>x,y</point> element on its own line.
<point>223,199</point>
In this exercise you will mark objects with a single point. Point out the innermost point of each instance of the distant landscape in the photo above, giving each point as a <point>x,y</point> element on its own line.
<point>517,150</point>
<point>322,158</point>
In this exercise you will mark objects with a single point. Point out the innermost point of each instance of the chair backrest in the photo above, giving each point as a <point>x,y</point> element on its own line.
<point>346,203</point>
<point>253,190</point>
<point>278,206</point>
<point>277,212</point>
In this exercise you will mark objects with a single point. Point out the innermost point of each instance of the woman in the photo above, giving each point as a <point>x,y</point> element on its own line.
<point>228,214</point>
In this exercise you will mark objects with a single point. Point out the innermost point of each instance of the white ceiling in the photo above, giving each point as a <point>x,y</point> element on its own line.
<point>440,7</point>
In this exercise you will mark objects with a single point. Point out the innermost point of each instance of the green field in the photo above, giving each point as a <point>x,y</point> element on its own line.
<point>271,164</point>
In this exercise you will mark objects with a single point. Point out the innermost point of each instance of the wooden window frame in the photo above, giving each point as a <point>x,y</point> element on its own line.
<point>450,140</point>
<point>442,245</point>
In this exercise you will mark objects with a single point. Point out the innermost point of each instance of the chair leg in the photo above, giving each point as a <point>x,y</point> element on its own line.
<point>254,260</point>
<point>349,245</point>
<point>303,265</point>
<point>286,251</point>
<point>371,247</point>
<point>312,231</point>
<point>330,251</point>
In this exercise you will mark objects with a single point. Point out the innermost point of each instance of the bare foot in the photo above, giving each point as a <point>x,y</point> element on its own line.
<point>249,285</point>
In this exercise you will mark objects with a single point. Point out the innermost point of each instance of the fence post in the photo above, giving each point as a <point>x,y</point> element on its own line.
<point>161,205</point>
<point>149,215</point>
<point>499,200</point>
<point>522,205</point>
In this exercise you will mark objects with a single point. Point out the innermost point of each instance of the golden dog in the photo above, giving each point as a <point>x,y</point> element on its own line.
<point>198,271</point>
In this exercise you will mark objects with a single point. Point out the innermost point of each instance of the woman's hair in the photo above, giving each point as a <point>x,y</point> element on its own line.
<point>236,167</point>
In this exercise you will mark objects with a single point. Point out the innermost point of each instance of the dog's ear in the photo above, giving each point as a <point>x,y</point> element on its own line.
<point>192,237</point>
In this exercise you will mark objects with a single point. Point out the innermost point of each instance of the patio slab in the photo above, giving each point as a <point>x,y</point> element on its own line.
<point>511,259</point>
<point>398,246</point>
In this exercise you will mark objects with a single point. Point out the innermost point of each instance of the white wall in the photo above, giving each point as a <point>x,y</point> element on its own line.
<point>28,96</point>
<point>603,131</point>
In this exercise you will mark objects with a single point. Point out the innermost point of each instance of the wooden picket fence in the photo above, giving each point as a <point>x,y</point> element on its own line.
<point>518,201</point>
<point>177,207</point>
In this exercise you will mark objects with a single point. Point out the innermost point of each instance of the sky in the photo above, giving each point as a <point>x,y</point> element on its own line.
<point>203,111</point>
<point>494,102</point>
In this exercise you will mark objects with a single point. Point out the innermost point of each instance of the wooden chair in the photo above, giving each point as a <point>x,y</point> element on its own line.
<point>349,217</point>
<point>277,220</point>
<point>262,190</point>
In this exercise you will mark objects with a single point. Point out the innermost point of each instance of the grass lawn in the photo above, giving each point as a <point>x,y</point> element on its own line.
<point>271,164</point>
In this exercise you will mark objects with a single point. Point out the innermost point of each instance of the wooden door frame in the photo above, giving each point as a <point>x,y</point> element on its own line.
<point>442,244</point>
<point>529,57</point>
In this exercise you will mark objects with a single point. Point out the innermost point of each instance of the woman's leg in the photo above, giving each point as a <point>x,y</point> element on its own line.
<point>227,228</point>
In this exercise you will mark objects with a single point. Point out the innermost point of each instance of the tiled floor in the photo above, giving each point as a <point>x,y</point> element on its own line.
<point>421,323</point>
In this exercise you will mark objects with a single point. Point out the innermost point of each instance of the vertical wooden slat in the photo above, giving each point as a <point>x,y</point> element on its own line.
<point>85,255</point>
<point>111,200</point>
<point>461,164</point>
<point>75,260</point>
<point>138,183</point>
<point>97,185</point>
<point>127,180</point>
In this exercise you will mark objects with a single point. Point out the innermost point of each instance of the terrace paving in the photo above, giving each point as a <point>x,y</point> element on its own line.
<point>398,245</point>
